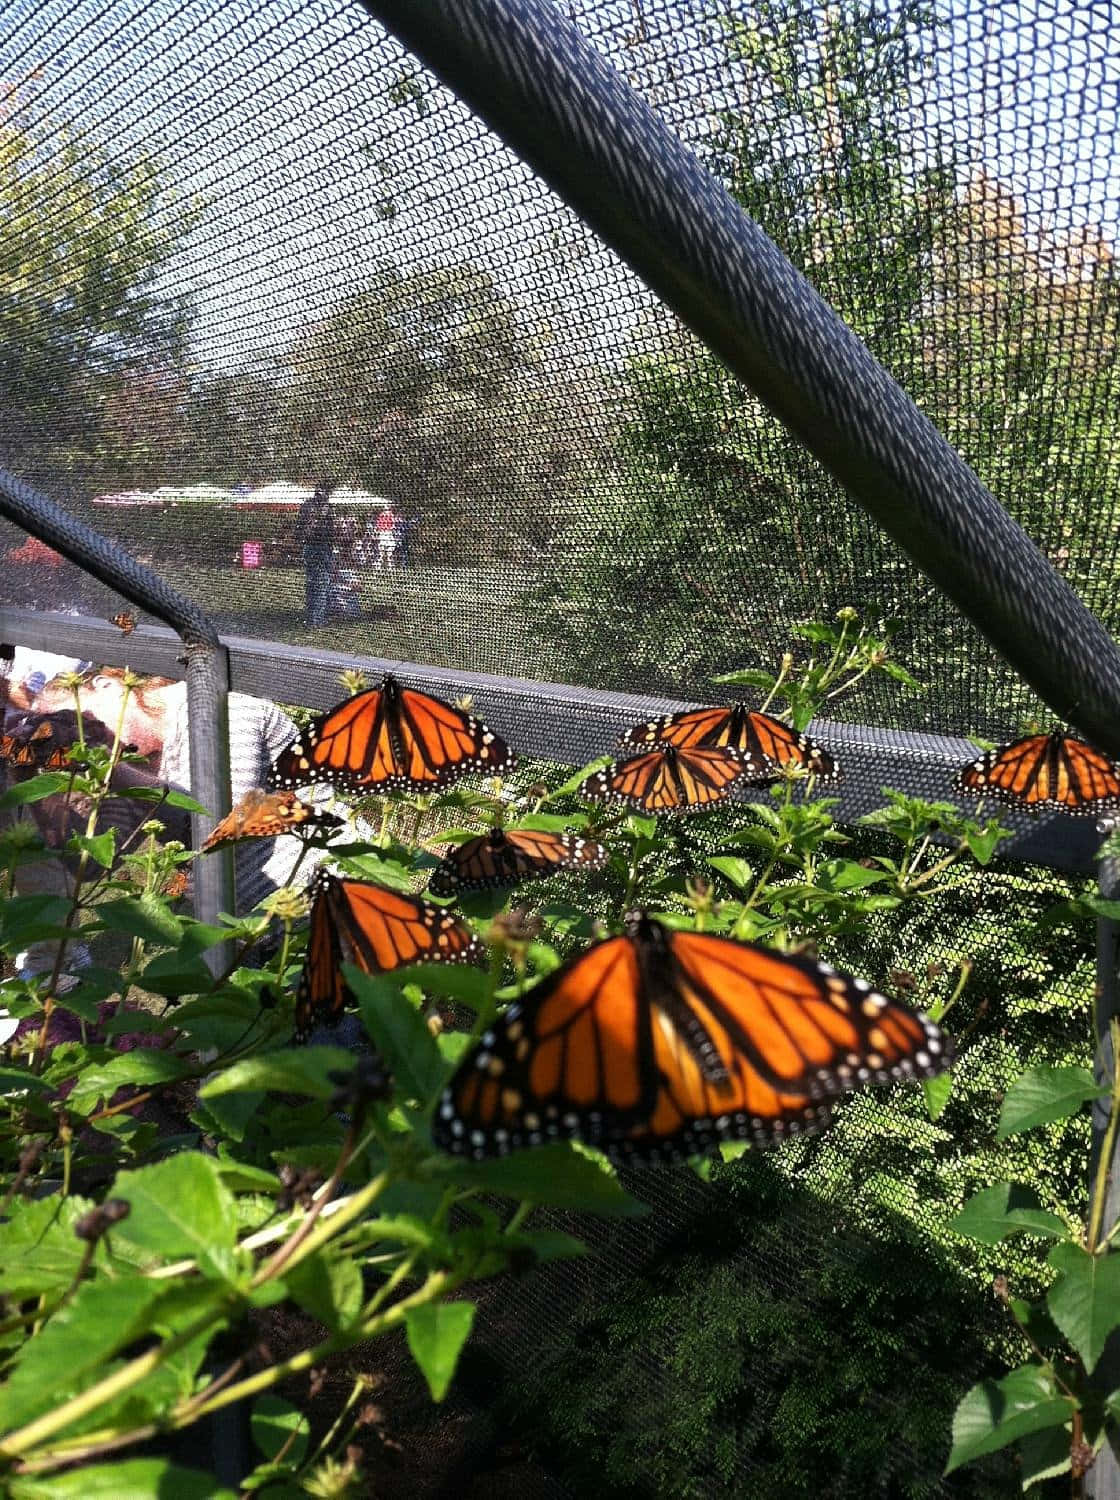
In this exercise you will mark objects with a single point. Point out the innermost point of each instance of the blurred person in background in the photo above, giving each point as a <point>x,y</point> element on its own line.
<point>315,533</point>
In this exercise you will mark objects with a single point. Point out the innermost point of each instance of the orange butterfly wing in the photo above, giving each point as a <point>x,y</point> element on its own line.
<point>503,857</point>
<point>265,815</point>
<point>669,780</point>
<point>696,726</point>
<point>662,1044</point>
<point>1051,771</point>
<point>377,929</point>
<point>391,739</point>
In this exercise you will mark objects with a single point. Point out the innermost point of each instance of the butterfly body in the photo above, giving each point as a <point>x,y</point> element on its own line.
<point>661,1044</point>
<point>391,738</point>
<point>502,858</point>
<point>766,740</point>
<point>1054,772</point>
<point>377,929</point>
<point>124,620</point>
<point>668,779</point>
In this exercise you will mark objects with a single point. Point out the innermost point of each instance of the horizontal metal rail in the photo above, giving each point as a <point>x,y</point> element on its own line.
<point>558,722</point>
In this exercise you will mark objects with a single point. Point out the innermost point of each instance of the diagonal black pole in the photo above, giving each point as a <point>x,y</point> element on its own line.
<point>526,71</point>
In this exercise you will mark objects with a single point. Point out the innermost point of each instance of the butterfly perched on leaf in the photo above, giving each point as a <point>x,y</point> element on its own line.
<point>662,1043</point>
<point>391,738</point>
<point>666,779</point>
<point>503,857</point>
<point>376,929</point>
<point>1054,772</point>
<point>767,741</point>
<point>42,742</point>
<point>124,620</point>
<point>264,815</point>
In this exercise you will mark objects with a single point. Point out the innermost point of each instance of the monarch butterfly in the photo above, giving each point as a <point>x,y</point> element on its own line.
<point>263,815</point>
<point>41,746</point>
<point>1045,771</point>
<point>392,739</point>
<point>124,620</point>
<point>764,739</point>
<point>670,780</point>
<point>661,1044</point>
<point>375,928</point>
<point>504,858</point>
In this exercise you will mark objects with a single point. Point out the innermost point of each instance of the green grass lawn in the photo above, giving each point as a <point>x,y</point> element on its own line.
<point>452,617</point>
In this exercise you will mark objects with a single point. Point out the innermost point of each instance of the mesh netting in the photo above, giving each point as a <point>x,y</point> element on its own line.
<point>249,248</point>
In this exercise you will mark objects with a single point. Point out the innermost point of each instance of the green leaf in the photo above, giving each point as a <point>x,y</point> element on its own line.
<point>400,1034</point>
<point>39,1251</point>
<point>847,875</point>
<point>1005,1209</point>
<point>36,790</point>
<point>21,1081</point>
<point>983,843</point>
<point>329,1290</point>
<point>640,826</point>
<point>144,916</point>
<point>995,1413</point>
<point>573,783</point>
<point>101,847</point>
<point>738,871</point>
<point>1084,1301</point>
<point>1044,1455</point>
<point>100,1319</point>
<point>454,981</point>
<point>436,1333</point>
<point>748,677</point>
<point>295,1070</point>
<point>128,1479</point>
<point>275,1423</point>
<point>562,1174</point>
<point>180,1206</point>
<point>143,1066</point>
<point>936,1092</point>
<point>1042,1094</point>
<point>174,974</point>
<point>550,822</point>
<point>188,804</point>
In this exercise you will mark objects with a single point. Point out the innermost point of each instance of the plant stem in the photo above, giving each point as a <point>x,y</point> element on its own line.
<point>1100,1187</point>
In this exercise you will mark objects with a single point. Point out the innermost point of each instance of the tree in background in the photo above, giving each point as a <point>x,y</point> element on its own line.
<point>83,310</point>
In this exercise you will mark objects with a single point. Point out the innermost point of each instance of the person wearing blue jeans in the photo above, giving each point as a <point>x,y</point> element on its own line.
<point>315,529</point>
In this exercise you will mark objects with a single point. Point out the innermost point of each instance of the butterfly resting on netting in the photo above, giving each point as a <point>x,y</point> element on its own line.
<point>765,740</point>
<point>1045,772</point>
<point>663,1043</point>
<point>391,739</point>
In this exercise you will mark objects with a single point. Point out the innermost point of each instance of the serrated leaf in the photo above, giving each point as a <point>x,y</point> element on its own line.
<point>101,847</point>
<point>46,784</point>
<point>1044,1455</point>
<point>128,1479</point>
<point>748,677</point>
<point>276,1423</point>
<point>1042,1094</point>
<point>436,1334</point>
<point>1005,1209</point>
<point>573,783</point>
<point>179,1206</point>
<point>454,981</point>
<point>400,1034</point>
<point>549,822</point>
<point>144,916</point>
<point>936,1092</point>
<point>847,875</point>
<point>175,974</point>
<point>100,1319</point>
<point>39,1251</point>
<point>1084,1301</point>
<point>329,1290</point>
<point>294,1070</point>
<point>738,871</point>
<point>996,1413</point>
<point>143,1067</point>
<point>560,1174</point>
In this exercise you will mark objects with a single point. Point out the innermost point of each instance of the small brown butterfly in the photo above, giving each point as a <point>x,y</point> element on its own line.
<point>263,815</point>
<point>124,620</point>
